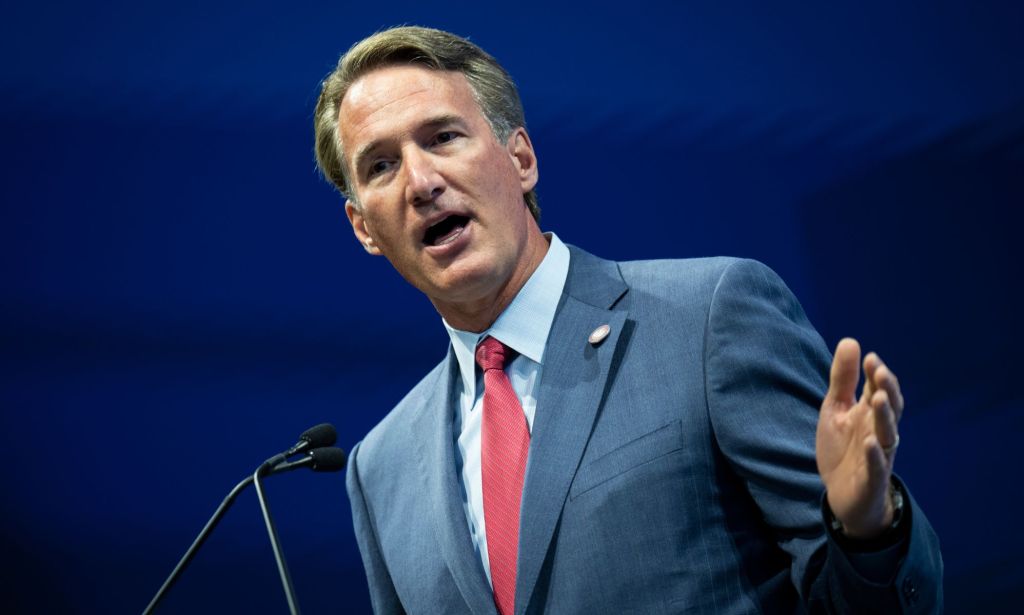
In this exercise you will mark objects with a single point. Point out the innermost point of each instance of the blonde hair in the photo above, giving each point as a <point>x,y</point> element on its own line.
<point>493,89</point>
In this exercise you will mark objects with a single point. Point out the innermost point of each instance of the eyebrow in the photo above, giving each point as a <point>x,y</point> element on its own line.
<point>433,123</point>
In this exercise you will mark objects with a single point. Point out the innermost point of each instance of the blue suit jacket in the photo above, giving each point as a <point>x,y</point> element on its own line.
<point>671,467</point>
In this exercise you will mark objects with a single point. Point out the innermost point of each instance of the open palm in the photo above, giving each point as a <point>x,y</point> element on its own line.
<point>856,441</point>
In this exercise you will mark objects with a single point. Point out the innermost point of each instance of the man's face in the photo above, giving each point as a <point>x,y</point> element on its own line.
<point>438,195</point>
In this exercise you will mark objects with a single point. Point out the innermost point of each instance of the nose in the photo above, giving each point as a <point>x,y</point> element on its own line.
<point>423,181</point>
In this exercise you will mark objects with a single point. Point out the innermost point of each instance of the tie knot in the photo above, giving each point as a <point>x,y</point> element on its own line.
<point>492,354</point>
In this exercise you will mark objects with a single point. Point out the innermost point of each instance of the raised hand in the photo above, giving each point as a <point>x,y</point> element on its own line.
<point>856,441</point>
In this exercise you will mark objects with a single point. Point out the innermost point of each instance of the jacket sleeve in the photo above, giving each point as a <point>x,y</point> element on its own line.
<point>766,374</point>
<point>383,596</point>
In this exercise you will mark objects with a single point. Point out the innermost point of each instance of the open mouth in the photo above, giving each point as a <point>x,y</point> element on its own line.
<point>445,231</point>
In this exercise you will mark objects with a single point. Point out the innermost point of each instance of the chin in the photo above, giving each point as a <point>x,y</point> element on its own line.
<point>468,284</point>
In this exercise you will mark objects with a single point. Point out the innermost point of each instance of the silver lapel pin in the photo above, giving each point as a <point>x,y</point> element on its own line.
<point>598,335</point>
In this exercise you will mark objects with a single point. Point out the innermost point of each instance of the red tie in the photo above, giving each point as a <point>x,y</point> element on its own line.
<point>505,445</point>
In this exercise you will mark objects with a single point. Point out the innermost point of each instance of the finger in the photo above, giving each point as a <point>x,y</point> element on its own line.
<point>885,422</point>
<point>886,381</point>
<point>871,363</point>
<point>845,371</point>
<point>879,468</point>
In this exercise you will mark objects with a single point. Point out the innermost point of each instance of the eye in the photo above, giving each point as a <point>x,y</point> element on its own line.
<point>378,167</point>
<point>444,137</point>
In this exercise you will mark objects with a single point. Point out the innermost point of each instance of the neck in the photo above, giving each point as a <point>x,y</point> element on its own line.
<point>478,315</point>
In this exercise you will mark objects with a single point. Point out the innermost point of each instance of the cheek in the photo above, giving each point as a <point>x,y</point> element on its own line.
<point>493,175</point>
<point>381,214</point>
<point>383,228</point>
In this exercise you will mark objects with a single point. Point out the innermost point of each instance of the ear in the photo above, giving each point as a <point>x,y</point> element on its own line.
<point>524,158</point>
<point>360,228</point>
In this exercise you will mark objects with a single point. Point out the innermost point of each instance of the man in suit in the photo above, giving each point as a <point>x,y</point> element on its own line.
<point>641,437</point>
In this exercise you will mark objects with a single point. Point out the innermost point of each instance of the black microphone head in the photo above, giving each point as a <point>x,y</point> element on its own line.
<point>320,435</point>
<point>328,459</point>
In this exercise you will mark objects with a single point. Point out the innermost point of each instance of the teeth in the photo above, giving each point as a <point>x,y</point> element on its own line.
<point>446,230</point>
<point>451,236</point>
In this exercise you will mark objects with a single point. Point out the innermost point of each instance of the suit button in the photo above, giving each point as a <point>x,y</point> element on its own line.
<point>909,591</point>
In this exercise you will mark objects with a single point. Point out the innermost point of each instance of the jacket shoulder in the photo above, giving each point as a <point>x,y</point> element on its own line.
<point>688,277</point>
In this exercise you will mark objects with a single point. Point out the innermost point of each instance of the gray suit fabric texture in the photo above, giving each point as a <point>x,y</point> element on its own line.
<point>671,466</point>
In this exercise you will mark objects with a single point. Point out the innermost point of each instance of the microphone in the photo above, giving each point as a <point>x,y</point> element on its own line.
<point>315,437</point>
<point>322,458</point>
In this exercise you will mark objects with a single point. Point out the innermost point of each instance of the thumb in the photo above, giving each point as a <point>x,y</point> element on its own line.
<point>842,386</point>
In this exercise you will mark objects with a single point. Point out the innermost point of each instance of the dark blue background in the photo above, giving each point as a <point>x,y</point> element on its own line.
<point>182,296</point>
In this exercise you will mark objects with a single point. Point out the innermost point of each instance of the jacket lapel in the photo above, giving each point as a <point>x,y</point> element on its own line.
<point>434,432</point>
<point>571,390</point>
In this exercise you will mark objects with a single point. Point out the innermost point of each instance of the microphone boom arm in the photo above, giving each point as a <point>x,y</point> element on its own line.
<point>275,542</point>
<point>200,539</point>
<point>321,458</point>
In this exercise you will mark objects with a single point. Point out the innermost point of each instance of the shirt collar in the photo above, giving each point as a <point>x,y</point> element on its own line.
<point>525,324</point>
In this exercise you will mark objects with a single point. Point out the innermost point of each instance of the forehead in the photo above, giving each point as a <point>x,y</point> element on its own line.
<point>396,98</point>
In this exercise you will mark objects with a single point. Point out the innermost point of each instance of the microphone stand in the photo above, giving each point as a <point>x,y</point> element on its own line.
<point>322,458</point>
<point>200,539</point>
<point>275,542</point>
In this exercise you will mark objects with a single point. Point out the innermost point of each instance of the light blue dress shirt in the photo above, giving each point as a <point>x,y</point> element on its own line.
<point>524,327</point>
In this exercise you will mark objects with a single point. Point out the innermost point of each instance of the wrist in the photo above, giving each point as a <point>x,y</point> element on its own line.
<point>892,517</point>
